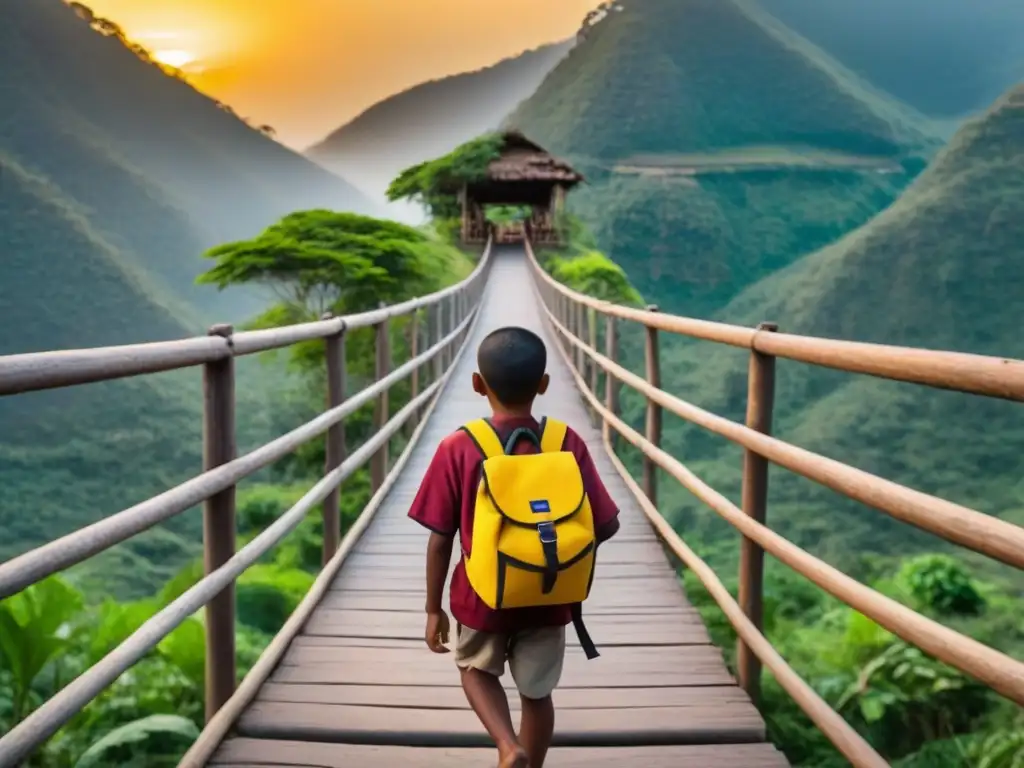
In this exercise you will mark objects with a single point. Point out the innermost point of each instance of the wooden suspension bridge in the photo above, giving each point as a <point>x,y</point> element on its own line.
<point>347,680</point>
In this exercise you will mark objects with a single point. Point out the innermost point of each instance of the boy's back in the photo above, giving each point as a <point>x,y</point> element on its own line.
<point>446,502</point>
<point>511,375</point>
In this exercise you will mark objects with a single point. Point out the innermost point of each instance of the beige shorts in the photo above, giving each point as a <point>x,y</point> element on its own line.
<point>535,659</point>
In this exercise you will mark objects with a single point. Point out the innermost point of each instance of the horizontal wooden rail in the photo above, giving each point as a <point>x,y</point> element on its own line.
<point>35,371</point>
<point>841,733</point>
<point>48,719</point>
<point>997,670</point>
<point>960,371</point>
<point>76,547</point>
<point>458,305</point>
<point>219,726</point>
<point>961,525</point>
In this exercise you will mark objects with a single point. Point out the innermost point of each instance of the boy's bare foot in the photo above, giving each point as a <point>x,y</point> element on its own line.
<point>512,757</point>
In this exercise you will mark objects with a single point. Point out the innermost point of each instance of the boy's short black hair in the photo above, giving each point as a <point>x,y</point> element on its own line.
<point>512,361</point>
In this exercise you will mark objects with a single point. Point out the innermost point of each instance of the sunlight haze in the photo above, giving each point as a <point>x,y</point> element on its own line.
<point>308,66</point>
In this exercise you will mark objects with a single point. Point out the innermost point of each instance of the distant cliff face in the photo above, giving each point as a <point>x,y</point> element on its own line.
<point>432,119</point>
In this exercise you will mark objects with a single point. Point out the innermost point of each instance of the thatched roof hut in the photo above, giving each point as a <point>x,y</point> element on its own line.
<point>522,160</point>
<point>525,174</point>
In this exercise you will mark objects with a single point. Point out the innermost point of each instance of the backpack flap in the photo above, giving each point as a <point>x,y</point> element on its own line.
<point>533,488</point>
<point>541,499</point>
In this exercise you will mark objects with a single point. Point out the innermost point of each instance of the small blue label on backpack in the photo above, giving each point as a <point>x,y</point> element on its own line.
<point>540,506</point>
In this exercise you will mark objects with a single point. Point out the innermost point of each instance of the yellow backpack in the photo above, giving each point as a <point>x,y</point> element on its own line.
<point>533,538</point>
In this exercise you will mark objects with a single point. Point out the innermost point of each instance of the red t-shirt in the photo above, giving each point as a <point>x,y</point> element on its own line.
<point>445,505</point>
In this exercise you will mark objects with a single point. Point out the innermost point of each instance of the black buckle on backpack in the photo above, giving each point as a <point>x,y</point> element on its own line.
<point>549,543</point>
<point>547,533</point>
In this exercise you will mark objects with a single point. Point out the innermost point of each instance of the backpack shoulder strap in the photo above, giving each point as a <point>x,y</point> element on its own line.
<point>483,434</point>
<point>552,437</point>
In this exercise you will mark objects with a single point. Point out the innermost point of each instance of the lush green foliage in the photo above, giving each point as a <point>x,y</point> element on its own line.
<point>436,183</point>
<point>935,270</point>
<point>913,710</point>
<point>52,632</point>
<point>326,261</point>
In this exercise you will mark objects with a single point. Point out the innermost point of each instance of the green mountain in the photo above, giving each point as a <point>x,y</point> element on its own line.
<point>941,269</point>
<point>947,58</point>
<point>431,119</point>
<point>719,145</point>
<point>114,178</point>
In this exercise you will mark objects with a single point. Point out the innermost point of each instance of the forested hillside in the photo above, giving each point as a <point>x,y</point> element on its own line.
<point>940,269</point>
<point>114,179</point>
<point>718,147</point>
<point>947,58</point>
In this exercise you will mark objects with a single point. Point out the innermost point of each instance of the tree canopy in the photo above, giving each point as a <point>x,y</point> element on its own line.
<point>436,183</point>
<point>318,261</point>
<point>596,275</point>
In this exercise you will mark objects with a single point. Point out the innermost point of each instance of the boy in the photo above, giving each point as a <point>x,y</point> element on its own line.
<point>512,363</point>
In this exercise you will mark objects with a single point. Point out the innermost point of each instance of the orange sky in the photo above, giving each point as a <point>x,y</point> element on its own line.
<point>308,66</point>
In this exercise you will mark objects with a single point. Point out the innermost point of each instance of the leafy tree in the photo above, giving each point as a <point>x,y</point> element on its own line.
<point>150,741</point>
<point>437,183</point>
<point>905,699</point>
<point>941,584</point>
<point>596,275</point>
<point>33,635</point>
<point>319,261</point>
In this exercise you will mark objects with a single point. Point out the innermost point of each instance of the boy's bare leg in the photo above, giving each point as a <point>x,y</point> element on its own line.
<point>488,700</point>
<point>536,728</point>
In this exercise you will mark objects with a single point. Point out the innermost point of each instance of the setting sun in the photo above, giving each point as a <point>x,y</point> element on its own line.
<point>175,57</point>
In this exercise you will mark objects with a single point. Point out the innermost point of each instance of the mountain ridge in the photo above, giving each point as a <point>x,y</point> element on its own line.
<point>683,83</point>
<point>114,180</point>
<point>938,269</point>
<point>431,118</point>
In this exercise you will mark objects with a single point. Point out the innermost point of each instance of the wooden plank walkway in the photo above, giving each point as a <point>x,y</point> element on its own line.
<point>359,688</point>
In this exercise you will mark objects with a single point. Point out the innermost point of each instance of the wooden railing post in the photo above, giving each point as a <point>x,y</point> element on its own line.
<point>437,333</point>
<point>760,402</point>
<point>449,326</point>
<point>593,367</point>
<point>335,448</point>
<point>379,462</point>
<point>578,332</point>
<point>568,320</point>
<point>414,380</point>
<point>611,383</point>
<point>653,430</point>
<point>219,525</point>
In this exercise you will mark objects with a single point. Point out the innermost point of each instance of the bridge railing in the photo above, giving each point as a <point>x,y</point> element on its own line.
<point>574,317</point>
<point>440,323</point>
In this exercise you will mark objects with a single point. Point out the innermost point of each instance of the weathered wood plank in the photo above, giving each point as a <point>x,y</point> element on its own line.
<point>450,697</point>
<point>606,629</point>
<point>358,684</point>
<point>441,728</point>
<point>249,753</point>
<point>627,604</point>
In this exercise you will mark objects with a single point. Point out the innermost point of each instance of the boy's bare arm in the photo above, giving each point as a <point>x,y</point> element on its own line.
<point>439,556</point>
